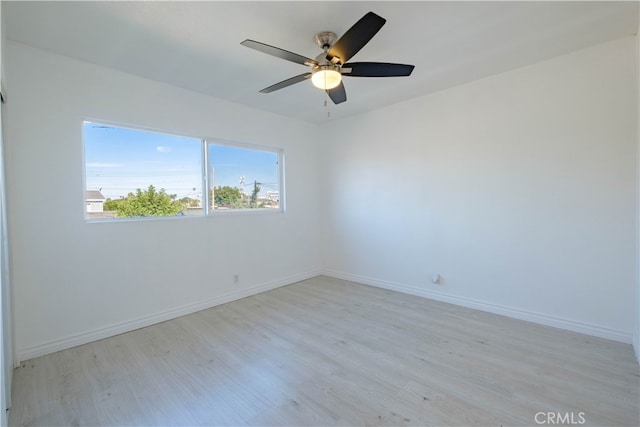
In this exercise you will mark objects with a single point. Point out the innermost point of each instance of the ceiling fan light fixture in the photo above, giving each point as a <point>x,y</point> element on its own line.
<point>326,77</point>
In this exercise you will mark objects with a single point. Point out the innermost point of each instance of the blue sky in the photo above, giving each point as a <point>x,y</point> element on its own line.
<point>231,163</point>
<point>119,161</point>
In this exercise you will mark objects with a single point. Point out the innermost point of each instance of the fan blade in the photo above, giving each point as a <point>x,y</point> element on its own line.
<point>337,94</point>
<point>355,38</point>
<point>376,69</point>
<point>285,83</point>
<point>280,53</point>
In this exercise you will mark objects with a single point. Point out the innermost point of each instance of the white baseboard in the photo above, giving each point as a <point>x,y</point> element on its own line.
<point>529,316</point>
<point>127,326</point>
<point>141,322</point>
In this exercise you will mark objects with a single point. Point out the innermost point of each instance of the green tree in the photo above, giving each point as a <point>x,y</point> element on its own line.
<point>227,196</point>
<point>188,201</point>
<point>112,205</point>
<point>149,203</point>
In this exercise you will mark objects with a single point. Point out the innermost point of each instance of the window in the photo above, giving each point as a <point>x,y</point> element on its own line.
<point>243,178</point>
<point>132,173</point>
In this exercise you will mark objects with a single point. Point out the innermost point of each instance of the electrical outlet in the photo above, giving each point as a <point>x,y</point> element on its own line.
<point>236,279</point>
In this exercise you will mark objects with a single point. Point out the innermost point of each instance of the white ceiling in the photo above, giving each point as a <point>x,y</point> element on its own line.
<point>196,45</point>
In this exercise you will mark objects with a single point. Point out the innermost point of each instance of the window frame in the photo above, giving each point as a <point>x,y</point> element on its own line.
<point>205,142</point>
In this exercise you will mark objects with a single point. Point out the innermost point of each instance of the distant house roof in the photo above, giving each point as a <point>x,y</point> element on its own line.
<point>94,195</point>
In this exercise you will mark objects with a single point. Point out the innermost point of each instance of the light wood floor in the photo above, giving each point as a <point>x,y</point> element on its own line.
<point>330,352</point>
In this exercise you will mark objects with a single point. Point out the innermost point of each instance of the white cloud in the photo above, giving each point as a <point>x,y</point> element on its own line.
<point>163,149</point>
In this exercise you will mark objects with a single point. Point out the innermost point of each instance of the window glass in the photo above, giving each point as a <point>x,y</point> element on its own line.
<point>133,173</point>
<point>243,178</point>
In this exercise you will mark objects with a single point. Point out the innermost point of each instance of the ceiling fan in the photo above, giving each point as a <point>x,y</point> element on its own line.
<point>328,68</point>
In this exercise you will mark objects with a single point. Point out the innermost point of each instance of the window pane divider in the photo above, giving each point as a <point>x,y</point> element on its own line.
<point>205,178</point>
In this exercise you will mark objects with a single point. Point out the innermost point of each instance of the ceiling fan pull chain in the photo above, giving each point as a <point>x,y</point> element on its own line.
<point>326,104</point>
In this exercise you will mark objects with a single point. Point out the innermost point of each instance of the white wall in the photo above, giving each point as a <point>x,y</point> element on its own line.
<point>519,189</point>
<point>75,281</point>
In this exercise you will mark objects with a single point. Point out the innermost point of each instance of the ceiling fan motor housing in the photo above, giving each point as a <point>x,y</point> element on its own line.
<point>325,39</point>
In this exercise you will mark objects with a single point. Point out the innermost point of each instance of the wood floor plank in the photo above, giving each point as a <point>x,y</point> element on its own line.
<point>330,352</point>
